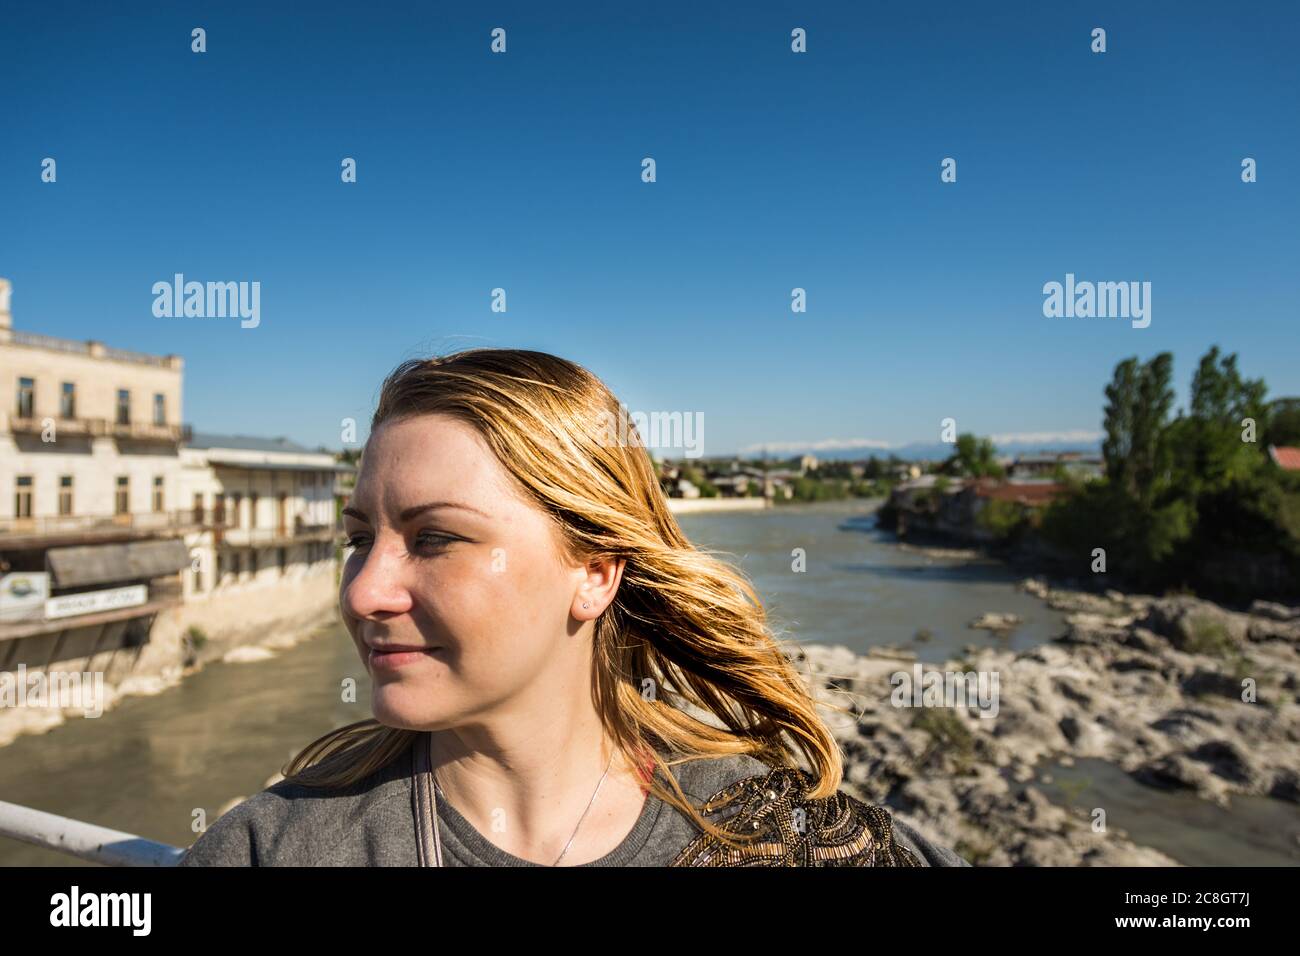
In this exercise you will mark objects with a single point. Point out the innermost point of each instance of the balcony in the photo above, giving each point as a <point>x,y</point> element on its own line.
<point>20,533</point>
<point>102,427</point>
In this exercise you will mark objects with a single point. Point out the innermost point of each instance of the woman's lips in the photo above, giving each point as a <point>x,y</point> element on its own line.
<point>393,658</point>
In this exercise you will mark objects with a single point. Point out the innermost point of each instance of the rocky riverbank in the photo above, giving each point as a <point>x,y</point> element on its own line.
<point>1178,692</point>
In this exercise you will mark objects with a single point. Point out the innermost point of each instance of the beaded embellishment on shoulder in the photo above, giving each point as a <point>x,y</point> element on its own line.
<point>794,830</point>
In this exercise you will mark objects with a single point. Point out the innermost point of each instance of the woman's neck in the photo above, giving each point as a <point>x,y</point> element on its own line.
<point>526,788</point>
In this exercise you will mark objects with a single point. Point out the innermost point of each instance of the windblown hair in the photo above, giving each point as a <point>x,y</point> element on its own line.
<point>685,630</point>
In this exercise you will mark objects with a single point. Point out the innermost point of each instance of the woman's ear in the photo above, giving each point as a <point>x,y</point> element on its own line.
<point>598,588</point>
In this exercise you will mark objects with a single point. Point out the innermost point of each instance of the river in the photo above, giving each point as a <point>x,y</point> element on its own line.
<point>148,764</point>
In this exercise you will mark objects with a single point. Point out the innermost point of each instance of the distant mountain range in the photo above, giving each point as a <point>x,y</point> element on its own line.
<point>914,451</point>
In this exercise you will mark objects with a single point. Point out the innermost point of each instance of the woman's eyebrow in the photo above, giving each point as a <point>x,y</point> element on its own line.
<point>409,513</point>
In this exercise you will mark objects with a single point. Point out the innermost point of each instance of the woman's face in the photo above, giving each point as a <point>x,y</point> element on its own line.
<point>456,592</point>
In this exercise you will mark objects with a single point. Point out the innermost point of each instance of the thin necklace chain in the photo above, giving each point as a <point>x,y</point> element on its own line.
<point>438,789</point>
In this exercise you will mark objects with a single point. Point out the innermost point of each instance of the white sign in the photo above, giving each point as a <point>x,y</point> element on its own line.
<point>23,594</point>
<point>66,605</point>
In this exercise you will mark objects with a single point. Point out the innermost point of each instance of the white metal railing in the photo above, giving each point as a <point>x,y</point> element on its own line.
<point>83,840</point>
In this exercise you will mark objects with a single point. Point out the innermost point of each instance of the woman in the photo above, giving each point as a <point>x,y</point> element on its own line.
<point>559,677</point>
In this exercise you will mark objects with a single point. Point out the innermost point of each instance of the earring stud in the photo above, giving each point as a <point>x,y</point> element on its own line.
<point>585,604</point>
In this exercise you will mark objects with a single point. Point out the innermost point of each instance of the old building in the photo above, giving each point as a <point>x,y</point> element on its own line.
<point>130,546</point>
<point>91,530</point>
<point>264,535</point>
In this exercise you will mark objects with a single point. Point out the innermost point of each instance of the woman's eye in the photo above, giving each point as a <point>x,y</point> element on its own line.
<point>427,543</point>
<point>432,542</point>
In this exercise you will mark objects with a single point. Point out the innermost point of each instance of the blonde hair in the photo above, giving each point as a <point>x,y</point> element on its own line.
<point>682,618</point>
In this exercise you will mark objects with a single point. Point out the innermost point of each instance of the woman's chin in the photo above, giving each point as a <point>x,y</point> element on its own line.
<point>406,709</point>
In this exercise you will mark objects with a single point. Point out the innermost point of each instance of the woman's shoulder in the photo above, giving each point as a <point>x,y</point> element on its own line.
<point>746,795</point>
<point>929,852</point>
<point>702,777</point>
<point>293,824</point>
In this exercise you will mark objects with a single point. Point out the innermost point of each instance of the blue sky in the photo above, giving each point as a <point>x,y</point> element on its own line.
<point>775,170</point>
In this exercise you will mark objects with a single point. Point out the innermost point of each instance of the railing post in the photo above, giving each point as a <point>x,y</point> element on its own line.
<point>85,841</point>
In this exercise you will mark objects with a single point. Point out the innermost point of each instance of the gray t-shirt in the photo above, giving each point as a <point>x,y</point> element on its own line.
<point>372,823</point>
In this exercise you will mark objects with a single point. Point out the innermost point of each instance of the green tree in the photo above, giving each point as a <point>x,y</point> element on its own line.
<point>973,457</point>
<point>1192,502</point>
<point>1209,446</point>
<point>1219,391</point>
<point>1130,514</point>
<point>1002,519</point>
<point>1138,401</point>
<point>1283,422</point>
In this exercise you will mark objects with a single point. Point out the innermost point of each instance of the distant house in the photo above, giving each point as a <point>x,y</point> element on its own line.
<point>808,463</point>
<point>686,489</point>
<point>1286,458</point>
<point>1030,494</point>
<point>922,482</point>
<point>732,486</point>
<point>1079,464</point>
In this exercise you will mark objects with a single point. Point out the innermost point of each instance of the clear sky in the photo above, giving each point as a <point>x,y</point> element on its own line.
<point>775,170</point>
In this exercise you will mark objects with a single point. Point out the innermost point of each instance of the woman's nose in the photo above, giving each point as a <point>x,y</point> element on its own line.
<point>372,583</point>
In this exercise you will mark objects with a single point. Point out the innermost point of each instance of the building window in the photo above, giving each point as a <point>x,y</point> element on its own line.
<point>23,497</point>
<point>282,558</point>
<point>221,568</point>
<point>198,578</point>
<point>198,507</point>
<point>252,510</point>
<point>122,500</point>
<point>236,512</point>
<point>123,406</point>
<point>158,493</point>
<point>252,562</point>
<point>26,397</point>
<point>68,401</point>
<point>159,409</point>
<point>65,494</point>
<point>238,562</point>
